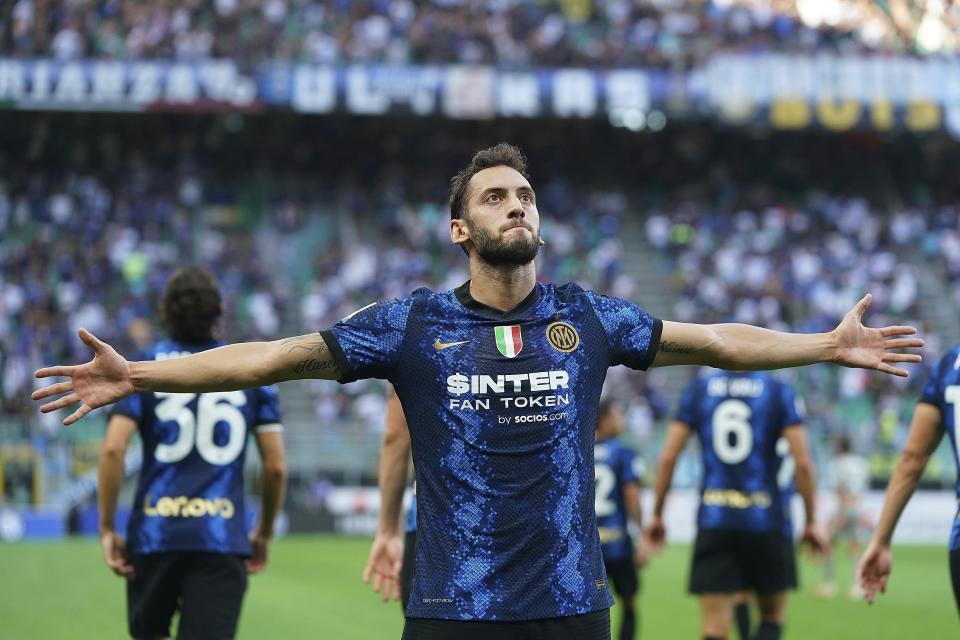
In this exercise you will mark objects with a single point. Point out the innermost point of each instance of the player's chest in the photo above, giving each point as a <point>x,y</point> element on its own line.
<point>515,346</point>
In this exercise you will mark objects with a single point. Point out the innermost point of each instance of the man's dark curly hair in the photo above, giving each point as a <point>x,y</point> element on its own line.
<point>503,154</point>
<point>190,306</point>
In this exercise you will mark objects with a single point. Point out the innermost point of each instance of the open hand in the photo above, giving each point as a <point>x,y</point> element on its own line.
<point>100,382</point>
<point>384,564</point>
<point>868,348</point>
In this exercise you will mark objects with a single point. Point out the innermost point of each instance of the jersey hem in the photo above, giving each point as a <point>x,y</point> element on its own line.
<point>509,619</point>
<point>339,357</point>
<point>269,427</point>
<point>651,353</point>
<point>191,549</point>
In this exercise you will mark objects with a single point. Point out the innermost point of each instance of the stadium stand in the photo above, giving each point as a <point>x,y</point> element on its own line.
<point>649,33</point>
<point>301,239</point>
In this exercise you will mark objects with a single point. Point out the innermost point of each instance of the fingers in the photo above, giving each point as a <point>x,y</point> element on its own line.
<point>52,390</point>
<point>76,415</point>
<point>54,372</point>
<point>91,341</point>
<point>65,401</point>
<point>861,307</point>
<point>367,571</point>
<point>886,332</point>
<point>120,567</point>
<point>903,343</point>
<point>901,357</point>
<point>894,371</point>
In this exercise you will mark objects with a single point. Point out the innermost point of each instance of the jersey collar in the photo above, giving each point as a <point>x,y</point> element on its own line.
<point>463,295</point>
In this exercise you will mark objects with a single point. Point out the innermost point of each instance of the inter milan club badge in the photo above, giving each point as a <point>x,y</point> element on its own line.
<point>563,337</point>
<point>509,340</point>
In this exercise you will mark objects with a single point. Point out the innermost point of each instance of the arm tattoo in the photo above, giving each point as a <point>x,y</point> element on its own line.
<point>674,347</point>
<point>306,366</point>
<point>312,346</point>
<point>311,343</point>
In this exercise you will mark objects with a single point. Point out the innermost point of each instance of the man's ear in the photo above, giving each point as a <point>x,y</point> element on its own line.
<point>459,231</point>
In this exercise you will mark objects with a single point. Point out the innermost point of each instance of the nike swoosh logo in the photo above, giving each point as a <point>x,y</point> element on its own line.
<point>446,345</point>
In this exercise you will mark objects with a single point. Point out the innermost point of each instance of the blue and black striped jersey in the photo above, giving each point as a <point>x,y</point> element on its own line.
<point>502,408</point>
<point>190,492</point>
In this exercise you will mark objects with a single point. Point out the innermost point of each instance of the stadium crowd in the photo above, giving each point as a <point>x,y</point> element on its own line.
<point>89,242</point>
<point>649,33</point>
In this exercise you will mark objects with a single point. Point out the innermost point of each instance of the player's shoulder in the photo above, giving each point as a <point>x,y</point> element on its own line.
<point>950,360</point>
<point>602,450</point>
<point>567,291</point>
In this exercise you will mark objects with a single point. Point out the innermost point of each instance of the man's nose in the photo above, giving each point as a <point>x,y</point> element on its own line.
<point>516,208</point>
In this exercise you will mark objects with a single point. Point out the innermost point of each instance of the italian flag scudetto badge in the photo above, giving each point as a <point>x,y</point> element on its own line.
<point>509,341</point>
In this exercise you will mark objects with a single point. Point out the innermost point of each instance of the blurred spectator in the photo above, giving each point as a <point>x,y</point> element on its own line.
<point>786,232</point>
<point>649,33</point>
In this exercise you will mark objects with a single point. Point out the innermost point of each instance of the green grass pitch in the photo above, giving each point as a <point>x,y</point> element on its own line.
<point>312,589</point>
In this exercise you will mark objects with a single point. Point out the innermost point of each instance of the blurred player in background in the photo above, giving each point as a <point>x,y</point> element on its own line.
<point>392,558</point>
<point>786,478</point>
<point>851,478</point>
<point>619,474</point>
<point>502,377</point>
<point>937,413</point>
<point>187,546</point>
<point>739,419</point>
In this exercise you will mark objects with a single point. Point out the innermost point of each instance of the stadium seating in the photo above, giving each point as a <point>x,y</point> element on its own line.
<point>648,33</point>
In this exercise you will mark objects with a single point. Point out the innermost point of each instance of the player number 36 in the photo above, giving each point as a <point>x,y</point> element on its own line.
<point>199,428</point>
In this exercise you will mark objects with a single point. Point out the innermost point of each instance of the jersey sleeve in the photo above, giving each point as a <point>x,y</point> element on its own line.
<point>631,469</point>
<point>267,417</point>
<point>131,406</point>
<point>687,408</point>
<point>932,392</point>
<point>367,343</point>
<point>633,335</point>
<point>792,406</point>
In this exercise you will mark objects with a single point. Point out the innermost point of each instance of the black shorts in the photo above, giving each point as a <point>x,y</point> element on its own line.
<point>624,577</point>
<point>793,576</point>
<point>406,570</point>
<point>207,588</point>
<point>727,561</point>
<point>955,575</point>
<point>589,626</point>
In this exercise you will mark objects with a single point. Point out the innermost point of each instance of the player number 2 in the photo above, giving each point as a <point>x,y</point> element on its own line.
<point>732,435</point>
<point>606,481</point>
<point>198,430</point>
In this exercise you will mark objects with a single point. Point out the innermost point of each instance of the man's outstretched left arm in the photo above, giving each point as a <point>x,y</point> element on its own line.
<point>741,347</point>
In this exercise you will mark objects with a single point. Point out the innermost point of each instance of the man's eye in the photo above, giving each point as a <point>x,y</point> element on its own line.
<point>493,198</point>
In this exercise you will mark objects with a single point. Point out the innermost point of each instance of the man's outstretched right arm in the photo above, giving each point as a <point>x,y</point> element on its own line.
<point>109,377</point>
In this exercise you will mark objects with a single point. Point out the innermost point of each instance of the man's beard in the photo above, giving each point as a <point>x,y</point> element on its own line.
<point>513,252</point>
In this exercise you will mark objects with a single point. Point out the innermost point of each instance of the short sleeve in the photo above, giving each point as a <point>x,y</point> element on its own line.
<point>267,416</point>
<point>793,410</point>
<point>367,343</point>
<point>932,393</point>
<point>632,467</point>
<point>131,406</point>
<point>633,335</point>
<point>687,409</point>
